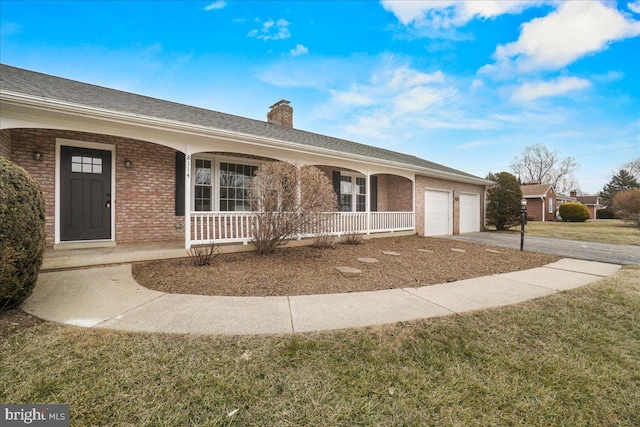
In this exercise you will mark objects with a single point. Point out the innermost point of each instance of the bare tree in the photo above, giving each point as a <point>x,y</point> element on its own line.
<point>287,199</point>
<point>633,167</point>
<point>540,165</point>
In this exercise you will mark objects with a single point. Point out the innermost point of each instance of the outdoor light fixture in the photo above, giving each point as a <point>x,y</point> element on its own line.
<point>37,156</point>
<point>523,217</point>
<point>128,164</point>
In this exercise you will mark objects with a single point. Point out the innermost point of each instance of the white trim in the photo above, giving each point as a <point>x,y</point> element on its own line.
<point>96,146</point>
<point>129,119</point>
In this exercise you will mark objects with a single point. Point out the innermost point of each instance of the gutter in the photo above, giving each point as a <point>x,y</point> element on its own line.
<point>199,130</point>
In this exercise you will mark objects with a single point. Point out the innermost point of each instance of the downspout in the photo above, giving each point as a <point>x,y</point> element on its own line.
<point>543,208</point>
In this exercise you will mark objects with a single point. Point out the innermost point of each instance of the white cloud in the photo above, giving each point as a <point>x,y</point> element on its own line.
<point>476,84</point>
<point>352,98</point>
<point>574,30</point>
<point>219,4</point>
<point>299,50</point>
<point>539,89</point>
<point>634,6</point>
<point>272,30</point>
<point>449,13</point>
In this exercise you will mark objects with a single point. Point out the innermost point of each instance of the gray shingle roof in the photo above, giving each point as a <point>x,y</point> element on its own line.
<point>49,87</point>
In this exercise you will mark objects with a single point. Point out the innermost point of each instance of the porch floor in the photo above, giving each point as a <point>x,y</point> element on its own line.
<point>55,259</point>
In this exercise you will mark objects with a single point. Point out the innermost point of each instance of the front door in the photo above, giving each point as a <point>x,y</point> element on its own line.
<point>85,194</point>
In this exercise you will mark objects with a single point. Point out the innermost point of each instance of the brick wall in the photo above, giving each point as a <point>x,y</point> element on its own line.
<point>5,143</point>
<point>145,194</point>
<point>425,183</point>
<point>394,194</point>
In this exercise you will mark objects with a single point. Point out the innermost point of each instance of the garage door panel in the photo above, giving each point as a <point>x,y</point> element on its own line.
<point>469,213</point>
<point>437,213</point>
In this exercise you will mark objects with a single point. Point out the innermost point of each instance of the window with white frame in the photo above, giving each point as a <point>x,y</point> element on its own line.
<point>221,185</point>
<point>550,205</point>
<point>235,180</point>
<point>203,194</point>
<point>353,198</point>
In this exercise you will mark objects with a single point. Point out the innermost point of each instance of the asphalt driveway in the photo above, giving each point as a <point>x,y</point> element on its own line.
<point>591,251</point>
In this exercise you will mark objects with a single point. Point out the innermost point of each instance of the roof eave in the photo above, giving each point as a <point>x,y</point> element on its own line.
<point>177,126</point>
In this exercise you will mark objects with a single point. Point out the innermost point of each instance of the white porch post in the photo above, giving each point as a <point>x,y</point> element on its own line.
<point>413,194</point>
<point>367,202</point>
<point>187,198</point>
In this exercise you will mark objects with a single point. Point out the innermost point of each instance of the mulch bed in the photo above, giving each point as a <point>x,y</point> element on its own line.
<point>307,270</point>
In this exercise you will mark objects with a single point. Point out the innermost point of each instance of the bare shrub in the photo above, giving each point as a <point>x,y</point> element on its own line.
<point>352,238</point>
<point>203,254</point>
<point>287,199</point>
<point>324,241</point>
<point>626,205</point>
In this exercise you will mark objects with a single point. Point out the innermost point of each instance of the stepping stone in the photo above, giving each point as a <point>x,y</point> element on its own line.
<point>391,253</point>
<point>425,250</point>
<point>368,260</point>
<point>349,271</point>
<point>458,250</point>
<point>492,251</point>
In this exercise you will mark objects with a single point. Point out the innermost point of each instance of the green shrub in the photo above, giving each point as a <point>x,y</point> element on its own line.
<point>574,212</point>
<point>503,201</point>
<point>605,214</point>
<point>21,233</point>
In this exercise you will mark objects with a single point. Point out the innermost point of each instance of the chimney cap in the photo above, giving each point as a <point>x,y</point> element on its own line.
<point>279,103</point>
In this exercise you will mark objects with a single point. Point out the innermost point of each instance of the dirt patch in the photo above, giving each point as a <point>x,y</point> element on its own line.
<point>307,270</point>
<point>15,320</point>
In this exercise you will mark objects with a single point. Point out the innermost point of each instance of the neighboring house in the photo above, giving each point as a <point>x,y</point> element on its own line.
<point>541,201</point>
<point>117,167</point>
<point>591,202</point>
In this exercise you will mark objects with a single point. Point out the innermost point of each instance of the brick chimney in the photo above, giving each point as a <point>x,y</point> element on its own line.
<point>281,114</point>
<point>573,193</point>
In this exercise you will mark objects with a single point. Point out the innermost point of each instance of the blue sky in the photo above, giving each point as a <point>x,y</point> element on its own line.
<point>465,84</point>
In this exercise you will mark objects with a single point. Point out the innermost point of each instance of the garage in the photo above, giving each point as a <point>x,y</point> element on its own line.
<point>469,213</point>
<point>438,213</point>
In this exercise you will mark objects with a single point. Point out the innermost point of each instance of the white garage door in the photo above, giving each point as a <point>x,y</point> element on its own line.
<point>437,213</point>
<point>469,213</point>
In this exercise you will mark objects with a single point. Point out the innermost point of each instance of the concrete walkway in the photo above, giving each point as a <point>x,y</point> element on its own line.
<point>590,251</point>
<point>110,298</point>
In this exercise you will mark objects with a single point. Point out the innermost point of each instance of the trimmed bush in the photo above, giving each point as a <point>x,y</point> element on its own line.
<point>605,214</point>
<point>574,212</point>
<point>21,233</point>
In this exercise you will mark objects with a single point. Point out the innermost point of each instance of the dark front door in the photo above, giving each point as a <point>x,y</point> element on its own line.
<point>85,194</point>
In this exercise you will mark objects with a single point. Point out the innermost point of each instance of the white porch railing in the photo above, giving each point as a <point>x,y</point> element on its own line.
<point>237,227</point>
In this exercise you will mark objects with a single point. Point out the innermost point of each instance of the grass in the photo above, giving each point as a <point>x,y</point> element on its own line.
<point>568,359</point>
<point>601,231</point>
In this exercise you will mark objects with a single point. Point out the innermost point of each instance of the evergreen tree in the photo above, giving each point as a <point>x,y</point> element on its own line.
<point>622,181</point>
<point>503,204</point>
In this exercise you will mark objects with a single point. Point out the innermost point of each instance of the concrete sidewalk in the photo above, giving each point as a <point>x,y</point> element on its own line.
<point>110,298</point>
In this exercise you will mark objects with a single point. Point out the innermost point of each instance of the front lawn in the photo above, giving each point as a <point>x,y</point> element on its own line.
<point>598,230</point>
<point>568,359</point>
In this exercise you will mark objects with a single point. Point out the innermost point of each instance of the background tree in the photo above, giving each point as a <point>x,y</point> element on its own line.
<point>621,181</point>
<point>287,200</point>
<point>540,165</point>
<point>633,167</point>
<point>626,204</point>
<point>503,201</point>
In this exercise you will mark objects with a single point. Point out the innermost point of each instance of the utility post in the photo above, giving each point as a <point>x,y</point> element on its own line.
<point>523,218</point>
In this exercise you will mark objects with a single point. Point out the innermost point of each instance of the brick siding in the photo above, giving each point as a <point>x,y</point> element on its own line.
<point>5,143</point>
<point>424,183</point>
